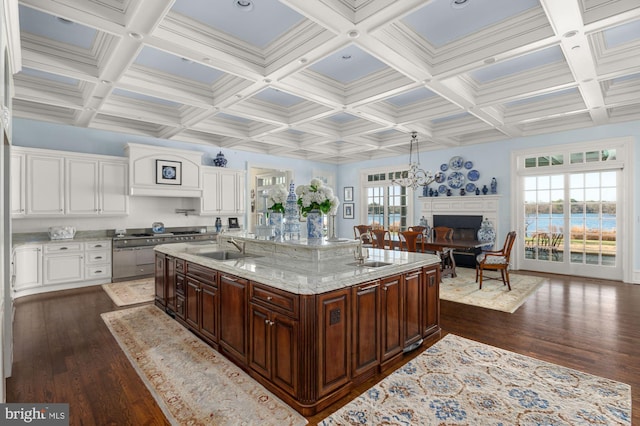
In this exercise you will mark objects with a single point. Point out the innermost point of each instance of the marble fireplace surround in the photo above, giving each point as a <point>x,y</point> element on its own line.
<point>468,205</point>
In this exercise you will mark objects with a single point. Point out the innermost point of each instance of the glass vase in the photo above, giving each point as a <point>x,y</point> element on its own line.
<point>276,219</point>
<point>315,225</point>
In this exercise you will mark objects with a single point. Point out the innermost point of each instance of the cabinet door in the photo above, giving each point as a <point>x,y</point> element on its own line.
<point>392,301</point>
<point>366,327</point>
<point>81,182</point>
<point>413,307</point>
<point>17,185</point>
<point>160,279</point>
<point>209,307</point>
<point>431,315</point>
<point>240,192</point>
<point>209,203</point>
<point>170,282</point>
<point>114,188</point>
<point>335,341</point>
<point>27,267</point>
<point>233,316</point>
<point>63,268</point>
<point>228,192</point>
<point>45,185</point>
<point>260,347</point>
<point>192,311</point>
<point>284,350</point>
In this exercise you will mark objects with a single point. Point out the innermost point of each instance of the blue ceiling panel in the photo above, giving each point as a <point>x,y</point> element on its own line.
<point>409,98</point>
<point>141,97</point>
<point>622,34</point>
<point>60,30</point>
<point>48,76</point>
<point>518,65</point>
<point>348,65</point>
<point>171,64</point>
<point>275,96</point>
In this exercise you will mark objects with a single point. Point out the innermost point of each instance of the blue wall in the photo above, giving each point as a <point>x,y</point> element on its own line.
<point>490,159</point>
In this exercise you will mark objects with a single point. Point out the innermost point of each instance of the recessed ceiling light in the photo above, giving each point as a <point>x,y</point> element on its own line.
<point>489,61</point>
<point>64,20</point>
<point>570,34</point>
<point>207,60</point>
<point>244,5</point>
<point>576,47</point>
<point>459,4</point>
<point>135,35</point>
<point>353,34</point>
<point>267,80</point>
<point>187,60</point>
<point>303,60</point>
<point>105,82</point>
<point>346,57</point>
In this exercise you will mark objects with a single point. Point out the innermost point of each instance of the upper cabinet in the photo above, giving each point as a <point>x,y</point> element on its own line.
<point>223,191</point>
<point>164,172</point>
<point>52,183</point>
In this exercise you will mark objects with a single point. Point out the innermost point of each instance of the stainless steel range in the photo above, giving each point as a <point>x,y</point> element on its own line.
<point>133,255</point>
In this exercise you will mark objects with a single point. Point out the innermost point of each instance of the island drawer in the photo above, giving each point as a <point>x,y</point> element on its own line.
<point>202,273</point>
<point>273,298</point>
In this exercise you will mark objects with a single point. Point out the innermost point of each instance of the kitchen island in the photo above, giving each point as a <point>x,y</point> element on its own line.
<point>302,318</point>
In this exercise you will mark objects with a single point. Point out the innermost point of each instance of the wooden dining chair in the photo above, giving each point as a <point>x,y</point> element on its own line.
<point>496,260</point>
<point>442,233</point>
<point>362,229</point>
<point>409,240</point>
<point>381,238</point>
<point>422,229</point>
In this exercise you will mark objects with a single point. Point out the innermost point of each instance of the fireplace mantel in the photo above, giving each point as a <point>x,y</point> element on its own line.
<point>484,205</point>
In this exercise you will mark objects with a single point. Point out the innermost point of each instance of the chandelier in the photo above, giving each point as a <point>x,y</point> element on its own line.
<point>415,176</point>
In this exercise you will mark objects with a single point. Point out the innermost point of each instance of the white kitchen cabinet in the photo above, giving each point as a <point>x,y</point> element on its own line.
<point>96,187</point>
<point>53,184</point>
<point>97,260</point>
<point>27,267</point>
<point>45,185</point>
<point>81,181</point>
<point>63,263</point>
<point>223,191</point>
<point>113,190</point>
<point>17,185</point>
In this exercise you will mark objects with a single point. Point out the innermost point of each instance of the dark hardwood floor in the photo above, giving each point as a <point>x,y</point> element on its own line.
<point>64,353</point>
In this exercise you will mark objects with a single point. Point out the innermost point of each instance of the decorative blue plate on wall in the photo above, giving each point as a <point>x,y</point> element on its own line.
<point>455,163</point>
<point>441,177</point>
<point>456,180</point>
<point>473,175</point>
<point>471,187</point>
<point>444,167</point>
<point>442,189</point>
<point>468,165</point>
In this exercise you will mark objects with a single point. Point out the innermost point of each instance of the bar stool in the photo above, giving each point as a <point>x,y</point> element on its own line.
<point>381,238</point>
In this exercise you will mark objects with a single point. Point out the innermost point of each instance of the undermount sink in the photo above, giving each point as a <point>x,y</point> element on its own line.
<point>226,255</point>
<point>370,264</point>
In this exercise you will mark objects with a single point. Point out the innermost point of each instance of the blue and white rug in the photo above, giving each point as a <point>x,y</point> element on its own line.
<point>461,382</point>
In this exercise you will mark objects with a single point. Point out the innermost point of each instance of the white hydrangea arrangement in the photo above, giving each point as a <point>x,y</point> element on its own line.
<point>317,196</point>
<point>276,199</point>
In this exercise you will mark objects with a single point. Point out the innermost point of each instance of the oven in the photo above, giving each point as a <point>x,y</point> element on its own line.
<point>133,256</point>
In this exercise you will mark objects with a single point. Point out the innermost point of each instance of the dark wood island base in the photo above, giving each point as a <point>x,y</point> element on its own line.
<point>309,350</point>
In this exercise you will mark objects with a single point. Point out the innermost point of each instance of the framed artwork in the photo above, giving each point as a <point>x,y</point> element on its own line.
<point>348,193</point>
<point>168,172</point>
<point>347,210</point>
<point>233,223</point>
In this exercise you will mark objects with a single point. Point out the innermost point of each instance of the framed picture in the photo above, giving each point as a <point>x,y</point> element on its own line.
<point>348,193</point>
<point>168,172</point>
<point>347,210</point>
<point>233,223</point>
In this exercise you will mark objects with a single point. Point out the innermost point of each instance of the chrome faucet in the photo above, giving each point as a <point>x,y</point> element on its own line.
<point>239,246</point>
<point>362,253</point>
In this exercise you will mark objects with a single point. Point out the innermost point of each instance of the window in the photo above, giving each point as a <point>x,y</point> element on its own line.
<point>388,205</point>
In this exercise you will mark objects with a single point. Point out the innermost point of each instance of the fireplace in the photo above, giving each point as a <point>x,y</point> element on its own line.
<point>465,227</point>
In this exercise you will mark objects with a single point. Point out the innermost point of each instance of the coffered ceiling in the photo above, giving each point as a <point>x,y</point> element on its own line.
<point>335,81</point>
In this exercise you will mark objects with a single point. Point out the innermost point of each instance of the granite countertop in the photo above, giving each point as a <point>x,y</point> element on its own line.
<point>43,237</point>
<point>300,275</point>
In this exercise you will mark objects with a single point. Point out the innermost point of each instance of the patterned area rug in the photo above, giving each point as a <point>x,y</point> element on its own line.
<point>462,382</point>
<point>131,292</point>
<point>494,294</point>
<point>192,383</point>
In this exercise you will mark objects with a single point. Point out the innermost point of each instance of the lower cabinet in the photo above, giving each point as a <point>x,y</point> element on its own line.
<point>414,297</point>
<point>233,319</point>
<point>273,347</point>
<point>365,328</point>
<point>27,267</point>
<point>202,307</point>
<point>160,281</point>
<point>63,263</point>
<point>392,314</point>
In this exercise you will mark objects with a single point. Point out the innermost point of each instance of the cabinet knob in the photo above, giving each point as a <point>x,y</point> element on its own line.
<point>384,288</point>
<point>266,321</point>
<point>269,297</point>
